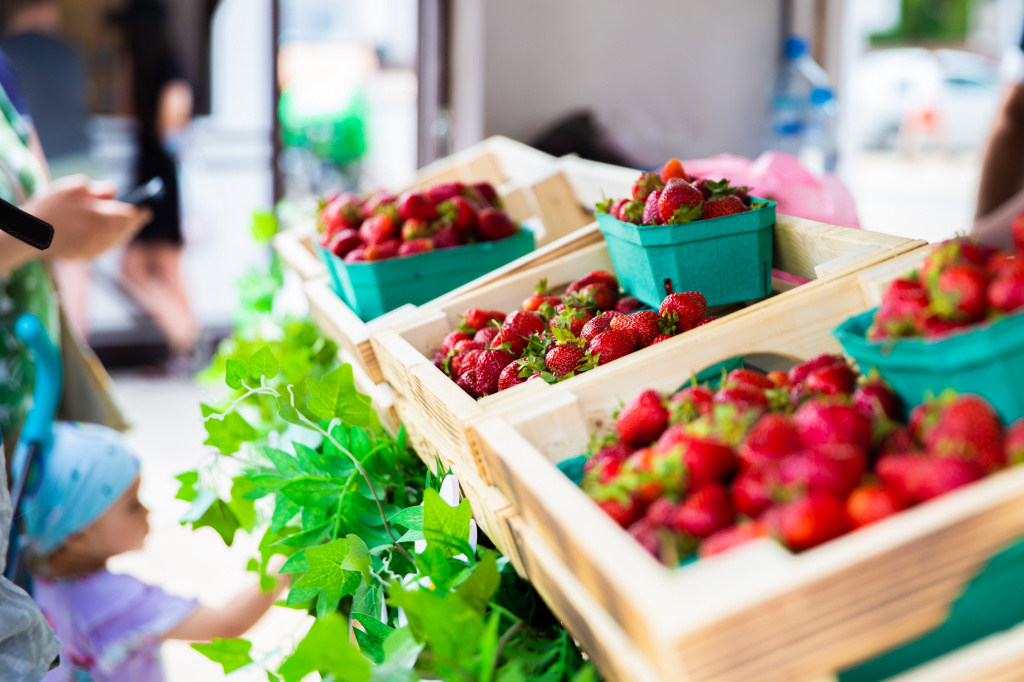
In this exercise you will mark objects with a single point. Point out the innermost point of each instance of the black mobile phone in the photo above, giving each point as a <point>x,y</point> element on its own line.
<point>151,191</point>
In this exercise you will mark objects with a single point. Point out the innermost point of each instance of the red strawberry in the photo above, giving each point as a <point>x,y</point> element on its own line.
<point>623,513</point>
<point>443,190</point>
<point>735,536</point>
<point>378,228</point>
<point>689,306</point>
<point>644,323</point>
<point>933,325</point>
<point>717,208</point>
<point>752,490</point>
<point>960,292</point>
<point>673,169</point>
<point>749,376</point>
<point>464,361</point>
<point>594,277</point>
<point>706,458</point>
<point>344,242</point>
<point>701,184</point>
<point>487,335</point>
<point>489,366</point>
<point>631,212</point>
<point>876,400</point>
<point>467,382</point>
<point>494,224</point>
<point>959,251</point>
<point>871,503</point>
<point>476,318</point>
<point>651,216</point>
<point>615,210</point>
<point>645,185</point>
<point>967,428</point>
<point>628,304</point>
<point>743,397</point>
<point>341,213</point>
<point>356,255</point>
<point>449,238</point>
<point>706,320</point>
<point>459,213</point>
<point>378,201</point>
<point>598,325</point>
<point>523,323</point>
<point>832,380</point>
<point>1014,442</point>
<point>828,423</point>
<point>514,343</point>
<point>645,532</point>
<point>382,250</point>
<point>1006,292</point>
<point>680,202</point>
<point>835,469</point>
<point>466,346</point>
<point>642,419</point>
<point>416,228</point>
<point>1017,233</point>
<point>573,319</point>
<point>918,478</point>
<point>900,439</point>
<point>414,204</point>
<point>696,399</point>
<point>811,520</point>
<point>415,246</point>
<point>510,377</point>
<point>800,372</point>
<point>449,342</point>
<point>773,437</point>
<point>605,464</point>
<point>660,337</point>
<point>612,345</point>
<point>779,379</point>
<point>705,511</point>
<point>487,191</point>
<point>533,303</point>
<point>600,296</point>
<point>563,360</point>
<point>662,512</point>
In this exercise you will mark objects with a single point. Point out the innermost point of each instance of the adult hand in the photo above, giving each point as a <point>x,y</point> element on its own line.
<point>86,219</point>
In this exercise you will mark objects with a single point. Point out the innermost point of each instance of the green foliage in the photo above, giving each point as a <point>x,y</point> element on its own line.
<point>232,654</point>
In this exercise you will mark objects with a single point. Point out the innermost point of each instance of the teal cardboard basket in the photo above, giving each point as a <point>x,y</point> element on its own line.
<point>372,289</point>
<point>728,259</point>
<point>985,361</point>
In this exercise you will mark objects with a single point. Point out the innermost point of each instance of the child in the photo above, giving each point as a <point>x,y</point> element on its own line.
<point>86,511</point>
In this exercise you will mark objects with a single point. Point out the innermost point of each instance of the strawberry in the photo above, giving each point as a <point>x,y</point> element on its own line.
<point>646,184</point>
<point>632,212</point>
<point>623,513</point>
<point>811,520</point>
<point>689,306</point>
<point>564,360</point>
<point>837,379</point>
<point>646,324</point>
<point>415,246</point>
<point>344,242</point>
<point>834,469</point>
<point>463,361</point>
<point>693,401</point>
<point>705,511</point>
<point>449,238</point>
<point>598,325</point>
<point>779,379</point>
<point>594,277</point>
<point>512,342</point>
<point>476,319</point>
<point>800,372</point>
<point>960,292</point>
<point>731,537</point>
<point>628,304</point>
<point>651,475</point>
<point>458,212</point>
<point>612,345</point>
<point>571,319</point>
<point>494,224</point>
<point>487,335</point>
<point>1006,292</point>
<point>718,208</point>
<point>743,397</point>
<point>918,478</point>
<point>707,459</point>
<point>752,490</point>
<point>449,342</point>
<point>1014,443</point>
<point>533,303</point>
<point>642,419</point>
<point>343,212</point>
<point>679,202</point>
<point>415,204</point>
<point>378,228</point>
<point>701,185</point>
<point>661,337</point>
<point>466,346</point>
<point>382,250</point>
<point>933,325</point>
<point>616,209</point>
<point>651,215</point>
<point>773,437</point>
<point>967,428</point>
<point>376,202</point>
<point>443,190</point>
<point>605,465</point>
<point>959,251</point>
<point>673,169</point>
<point>900,439</point>
<point>749,376</point>
<point>903,303</point>
<point>662,512</point>
<point>706,320</point>
<point>489,194</point>
<point>646,533</point>
<point>510,377</point>
<point>489,366</point>
<point>467,382</point>
<point>1017,233</point>
<point>821,422</point>
<point>876,400</point>
<point>600,296</point>
<point>356,255</point>
<point>522,323</point>
<point>871,503</point>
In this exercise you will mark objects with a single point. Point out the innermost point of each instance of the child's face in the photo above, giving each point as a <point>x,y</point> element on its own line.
<point>122,528</point>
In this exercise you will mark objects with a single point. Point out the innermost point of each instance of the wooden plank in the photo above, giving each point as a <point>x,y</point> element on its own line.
<point>296,251</point>
<point>997,658</point>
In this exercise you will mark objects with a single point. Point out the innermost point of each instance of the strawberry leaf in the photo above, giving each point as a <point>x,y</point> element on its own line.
<point>604,206</point>
<point>686,214</point>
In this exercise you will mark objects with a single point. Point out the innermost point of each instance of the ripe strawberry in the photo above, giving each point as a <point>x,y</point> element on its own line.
<point>661,337</point>
<point>811,520</point>
<point>706,320</point>
<point>960,293</point>
<point>749,376</point>
<point>694,401</point>
<point>642,419</point>
<point>800,372</point>
<point>510,377</point>
<point>489,194</point>
<point>701,185</point>
<point>773,438</point>
<point>343,212</point>
<point>612,345</point>
<point>833,469</point>
<point>494,224</point>
<point>594,277</point>
<point>600,296</point>
<point>1002,261</point>
<point>651,215</point>
<point>489,366</point>
<point>464,361</point>
<point>689,306</point>
<point>415,204</point>
<point>743,397</point>
<point>628,304</point>
<point>449,342</point>
<point>959,251</point>
<point>476,318</point>
<point>378,228</point>
<point>705,511</point>
<point>623,513</point>
<point>932,325</point>
<point>533,303</point>
<point>382,250</point>
<point>645,185</point>
<point>918,478</point>
<point>821,422</point>
<point>652,475</point>
<point>832,380</point>
<point>615,210</point>
<point>729,538</point>
<point>466,346</point>
<point>647,534</point>
<point>967,428</point>
<point>522,323</point>
<point>644,323</point>
<point>449,238</point>
<point>458,212</point>
<point>900,439</point>
<point>467,382</point>
<point>605,464</point>
<point>571,319</point>
<point>871,503</point>
<point>512,342</point>
<point>1017,233</point>
<point>717,208</point>
<point>662,512</point>
<point>779,379</point>
<point>416,228</point>
<point>344,242</point>
<point>598,325</point>
<point>1014,443</point>
<point>487,335</point>
<point>752,490</point>
<point>673,169</point>
<point>415,246</point>
<point>680,202</point>
<point>564,360</point>
<point>707,459</point>
<point>356,255</point>
<point>1006,292</point>
<point>443,190</point>
<point>876,400</point>
<point>378,201</point>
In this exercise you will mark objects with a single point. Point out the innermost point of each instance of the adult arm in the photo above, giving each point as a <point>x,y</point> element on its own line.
<point>1002,172</point>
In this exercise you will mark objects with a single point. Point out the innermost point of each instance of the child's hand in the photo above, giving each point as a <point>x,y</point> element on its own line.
<point>284,580</point>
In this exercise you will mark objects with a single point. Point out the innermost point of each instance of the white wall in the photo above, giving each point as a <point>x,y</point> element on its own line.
<point>669,77</point>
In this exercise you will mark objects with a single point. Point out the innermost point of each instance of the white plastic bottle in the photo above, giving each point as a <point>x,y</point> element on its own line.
<point>799,75</point>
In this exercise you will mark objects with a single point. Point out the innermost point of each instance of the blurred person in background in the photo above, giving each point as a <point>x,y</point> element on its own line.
<point>1002,171</point>
<point>161,100</point>
<point>52,77</point>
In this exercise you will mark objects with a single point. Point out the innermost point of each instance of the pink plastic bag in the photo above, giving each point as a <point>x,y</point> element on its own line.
<point>782,178</point>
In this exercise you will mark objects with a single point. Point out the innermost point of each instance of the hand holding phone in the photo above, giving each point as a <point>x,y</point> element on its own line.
<point>149,192</point>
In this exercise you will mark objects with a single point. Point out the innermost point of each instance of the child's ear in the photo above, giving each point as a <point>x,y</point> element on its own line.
<point>76,544</point>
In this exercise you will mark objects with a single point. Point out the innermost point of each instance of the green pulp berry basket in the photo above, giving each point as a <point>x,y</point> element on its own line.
<point>985,361</point>
<point>373,289</point>
<point>728,259</point>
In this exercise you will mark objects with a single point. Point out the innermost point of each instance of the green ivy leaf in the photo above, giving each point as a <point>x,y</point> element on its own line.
<point>371,639</point>
<point>232,654</point>
<point>296,563</point>
<point>401,651</point>
<point>446,526</point>
<point>284,511</point>
<point>308,459</point>
<point>264,226</point>
<point>235,372</point>
<point>451,626</point>
<point>482,583</point>
<point>326,649</point>
<point>411,518</point>
<point>307,538</point>
<point>227,432</point>
<point>310,491</point>
<point>337,568</point>
<point>242,507</point>
<point>263,364</point>
<point>188,491</point>
<point>210,511</point>
<point>335,396</point>
<point>287,412</point>
<point>287,464</point>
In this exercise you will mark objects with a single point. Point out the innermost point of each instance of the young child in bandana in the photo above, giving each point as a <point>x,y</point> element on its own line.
<point>86,511</point>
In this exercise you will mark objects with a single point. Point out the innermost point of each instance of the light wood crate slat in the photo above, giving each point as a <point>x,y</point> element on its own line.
<point>295,247</point>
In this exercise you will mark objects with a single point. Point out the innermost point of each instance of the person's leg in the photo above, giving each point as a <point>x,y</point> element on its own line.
<point>74,281</point>
<point>166,261</point>
<point>147,269</point>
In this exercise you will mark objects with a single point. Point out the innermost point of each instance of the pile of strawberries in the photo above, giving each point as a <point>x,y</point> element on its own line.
<point>556,337</point>
<point>671,197</point>
<point>960,285</point>
<point>803,457</point>
<point>380,225</point>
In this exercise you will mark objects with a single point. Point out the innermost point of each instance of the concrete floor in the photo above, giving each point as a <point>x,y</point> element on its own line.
<point>168,437</point>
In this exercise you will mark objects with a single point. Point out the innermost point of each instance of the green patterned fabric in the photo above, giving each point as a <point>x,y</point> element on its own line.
<point>28,289</point>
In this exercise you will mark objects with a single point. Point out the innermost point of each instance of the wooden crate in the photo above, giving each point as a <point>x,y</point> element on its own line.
<point>295,247</point>
<point>497,160</point>
<point>998,658</point>
<point>759,612</point>
<point>803,248</point>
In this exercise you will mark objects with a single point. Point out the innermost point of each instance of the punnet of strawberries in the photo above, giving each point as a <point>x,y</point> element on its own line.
<point>802,457</point>
<point>555,337</point>
<point>962,284</point>
<point>444,215</point>
<point>670,196</point>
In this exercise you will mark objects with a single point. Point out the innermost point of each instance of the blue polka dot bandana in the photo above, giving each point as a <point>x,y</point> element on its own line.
<point>88,468</point>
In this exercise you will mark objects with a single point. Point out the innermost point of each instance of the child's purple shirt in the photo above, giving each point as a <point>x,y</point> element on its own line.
<point>110,626</point>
